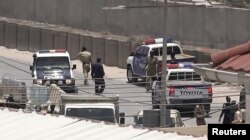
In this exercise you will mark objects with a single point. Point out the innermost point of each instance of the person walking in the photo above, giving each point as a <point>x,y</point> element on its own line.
<point>151,69</point>
<point>237,115</point>
<point>97,74</point>
<point>85,57</point>
<point>200,113</point>
<point>226,111</point>
<point>242,97</point>
<point>243,115</point>
<point>233,109</point>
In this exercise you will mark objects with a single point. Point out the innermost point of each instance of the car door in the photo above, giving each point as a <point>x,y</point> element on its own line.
<point>144,60</point>
<point>140,60</point>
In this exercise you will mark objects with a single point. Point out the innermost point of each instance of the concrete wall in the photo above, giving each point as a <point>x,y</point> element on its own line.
<point>2,33</point>
<point>10,35</point>
<point>214,27</point>
<point>27,36</point>
<point>23,38</point>
<point>35,40</point>
<point>111,52</point>
<point>73,45</point>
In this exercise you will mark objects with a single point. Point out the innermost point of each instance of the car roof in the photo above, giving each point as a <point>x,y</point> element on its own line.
<point>90,105</point>
<point>158,45</point>
<point>58,54</point>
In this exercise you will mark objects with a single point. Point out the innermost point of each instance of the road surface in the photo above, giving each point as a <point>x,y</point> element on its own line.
<point>132,97</point>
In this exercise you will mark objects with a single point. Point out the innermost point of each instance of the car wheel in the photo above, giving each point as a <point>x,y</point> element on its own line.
<point>130,75</point>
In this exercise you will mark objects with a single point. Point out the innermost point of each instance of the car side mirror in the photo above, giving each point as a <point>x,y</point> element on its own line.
<point>74,66</point>
<point>31,67</point>
<point>122,118</point>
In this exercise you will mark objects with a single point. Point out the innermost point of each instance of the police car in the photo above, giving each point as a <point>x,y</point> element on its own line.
<point>137,60</point>
<point>53,67</point>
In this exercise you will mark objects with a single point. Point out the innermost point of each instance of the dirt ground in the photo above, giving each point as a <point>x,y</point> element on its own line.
<point>26,57</point>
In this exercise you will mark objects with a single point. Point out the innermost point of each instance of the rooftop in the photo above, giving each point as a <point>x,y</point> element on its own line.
<point>32,126</point>
<point>233,59</point>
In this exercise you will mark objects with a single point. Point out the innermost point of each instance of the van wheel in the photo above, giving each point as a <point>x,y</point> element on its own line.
<point>130,75</point>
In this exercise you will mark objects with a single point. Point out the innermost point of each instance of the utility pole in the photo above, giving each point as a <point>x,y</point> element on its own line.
<point>163,112</point>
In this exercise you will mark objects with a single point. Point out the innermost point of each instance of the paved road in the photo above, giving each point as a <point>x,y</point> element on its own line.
<point>132,97</point>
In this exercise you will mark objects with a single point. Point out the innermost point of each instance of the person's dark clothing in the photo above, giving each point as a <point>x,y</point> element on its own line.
<point>97,74</point>
<point>227,113</point>
<point>173,59</point>
<point>200,113</point>
<point>243,98</point>
<point>99,85</point>
<point>233,109</point>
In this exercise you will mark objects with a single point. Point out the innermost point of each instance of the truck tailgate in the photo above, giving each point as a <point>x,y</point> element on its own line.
<point>190,90</point>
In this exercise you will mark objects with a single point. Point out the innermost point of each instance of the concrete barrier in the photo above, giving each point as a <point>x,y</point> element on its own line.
<point>86,41</point>
<point>98,49</point>
<point>23,38</point>
<point>111,52</point>
<point>35,40</point>
<point>10,35</point>
<point>124,49</point>
<point>47,39</point>
<point>2,28</point>
<point>73,45</point>
<point>60,40</point>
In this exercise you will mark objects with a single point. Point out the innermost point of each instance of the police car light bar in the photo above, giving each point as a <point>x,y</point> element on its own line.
<point>156,41</point>
<point>175,66</point>
<point>52,51</point>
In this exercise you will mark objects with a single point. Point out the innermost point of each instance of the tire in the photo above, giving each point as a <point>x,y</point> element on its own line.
<point>72,91</point>
<point>207,108</point>
<point>130,75</point>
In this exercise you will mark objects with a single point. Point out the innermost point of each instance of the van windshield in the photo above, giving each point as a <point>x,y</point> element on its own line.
<point>170,49</point>
<point>102,114</point>
<point>52,63</point>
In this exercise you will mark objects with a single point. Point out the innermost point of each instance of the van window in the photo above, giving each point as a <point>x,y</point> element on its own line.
<point>139,51</point>
<point>156,51</point>
<point>145,51</point>
<point>184,76</point>
<point>171,49</point>
<point>102,114</point>
<point>52,63</point>
<point>173,76</point>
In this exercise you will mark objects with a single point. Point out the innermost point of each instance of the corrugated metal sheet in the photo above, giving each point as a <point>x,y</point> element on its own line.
<point>236,63</point>
<point>31,126</point>
<point>233,59</point>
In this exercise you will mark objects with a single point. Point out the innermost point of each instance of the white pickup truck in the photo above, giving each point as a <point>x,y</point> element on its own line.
<point>184,88</point>
<point>92,107</point>
<point>173,121</point>
<point>137,60</point>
